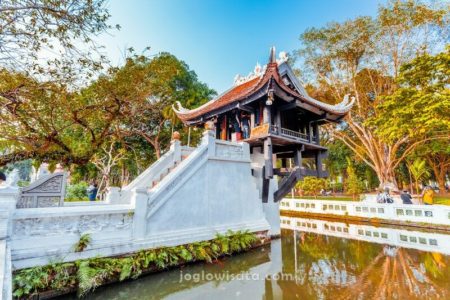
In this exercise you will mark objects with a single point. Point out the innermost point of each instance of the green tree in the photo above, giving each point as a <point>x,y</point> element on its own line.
<point>419,171</point>
<point>151,86</point>
<point>46,121</point>
<point>437,155</point>
<point>362,57</point>
<point>59,31</point>
<point>353,184</point>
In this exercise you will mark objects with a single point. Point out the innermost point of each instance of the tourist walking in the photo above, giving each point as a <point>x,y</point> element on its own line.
<point>2,177</point>
<point>428,195</point>
<point>92,191</point>
<point>406,197</point>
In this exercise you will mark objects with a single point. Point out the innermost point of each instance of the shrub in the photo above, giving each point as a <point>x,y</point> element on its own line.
<point>337,187</point>
<point>312,185</point>
<point>77,192</point>
<point>353,185</point>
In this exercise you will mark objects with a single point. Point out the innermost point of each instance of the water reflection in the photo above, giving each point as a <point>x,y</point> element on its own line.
<point>312,262</point>
<point>331,267</point>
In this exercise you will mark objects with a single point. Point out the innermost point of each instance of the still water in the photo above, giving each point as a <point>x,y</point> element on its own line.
<point>314,259</point>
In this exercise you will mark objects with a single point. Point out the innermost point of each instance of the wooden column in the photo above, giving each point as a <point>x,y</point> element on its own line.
<point>284,163</point>
<point>316,133</point>
<point>319,163</point>
<point>298,157</point>
<point>310,133</point>
<point>252,120</point>
<point>278,121</point>
<point>268,158</point>
<point>267,115</point>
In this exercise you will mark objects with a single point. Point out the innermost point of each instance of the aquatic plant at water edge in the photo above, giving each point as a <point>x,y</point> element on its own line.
<point>83,242</point>
<point>86,275</point>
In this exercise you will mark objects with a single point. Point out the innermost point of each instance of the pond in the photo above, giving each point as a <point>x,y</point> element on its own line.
<point>314,259</point>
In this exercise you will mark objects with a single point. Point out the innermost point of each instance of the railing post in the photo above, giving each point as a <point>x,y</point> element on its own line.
<point>113,195</point>
<point>175,146</point>
<point>140,198</point>
<point>209,139</point>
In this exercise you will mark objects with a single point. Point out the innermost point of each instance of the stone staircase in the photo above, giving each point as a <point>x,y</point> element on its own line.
<point>154,174</point>
<point>166,172</point>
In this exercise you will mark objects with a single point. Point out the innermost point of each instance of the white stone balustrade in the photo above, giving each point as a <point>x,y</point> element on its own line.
<point>433,214</point>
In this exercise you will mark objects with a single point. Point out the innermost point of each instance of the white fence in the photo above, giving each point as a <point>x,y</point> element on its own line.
<point>433,214</point>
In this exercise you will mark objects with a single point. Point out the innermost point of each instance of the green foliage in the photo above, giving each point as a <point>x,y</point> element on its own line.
<point>86,275</point>
<point>83,242</point>
<point>312,185</point>
<point>353,185</point>
<point>30,281</point>
<point>419,171</point>
<point>421,105</point>
<point>336,161</point>
<point>395,110</point>
<point>64,28</point>
<point>89,277</point>
<point>77,192</point>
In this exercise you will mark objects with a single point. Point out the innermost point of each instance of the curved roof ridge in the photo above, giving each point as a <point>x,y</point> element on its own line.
<point>256,80</point>
<point>183,110</point>
<point>342,107</point>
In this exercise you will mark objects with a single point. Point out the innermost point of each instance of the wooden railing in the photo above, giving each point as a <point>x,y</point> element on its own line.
<point>288,133</point>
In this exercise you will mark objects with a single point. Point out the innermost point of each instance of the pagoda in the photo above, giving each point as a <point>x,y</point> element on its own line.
<point>271,111</point>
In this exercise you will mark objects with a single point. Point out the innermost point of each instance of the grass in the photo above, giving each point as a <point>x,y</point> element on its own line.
<point>443,200</point>
<point>76,199</point>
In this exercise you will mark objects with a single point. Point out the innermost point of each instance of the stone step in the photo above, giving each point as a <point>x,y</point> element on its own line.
<point>166,172</point>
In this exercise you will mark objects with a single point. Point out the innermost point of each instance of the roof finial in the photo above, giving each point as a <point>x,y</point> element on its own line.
<point>272,58</point>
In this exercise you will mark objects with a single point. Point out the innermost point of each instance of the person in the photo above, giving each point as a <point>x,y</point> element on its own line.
<point>92,191</point>
<point>2,177</point>
<point>406,197</point>
<point>387,197</point>
<point>380,197</point>
<point>245,124</point>
<point>384,197</point>
<point>428,195</point>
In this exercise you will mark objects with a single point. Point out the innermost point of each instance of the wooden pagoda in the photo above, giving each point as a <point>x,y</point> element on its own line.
<point>271,110</point>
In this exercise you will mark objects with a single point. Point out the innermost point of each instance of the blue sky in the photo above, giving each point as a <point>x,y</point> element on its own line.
<point>220,38</point>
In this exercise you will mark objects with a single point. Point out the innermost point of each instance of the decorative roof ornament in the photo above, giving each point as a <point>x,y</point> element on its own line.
<point>177,107</point>
<point>258,72</point>
<point>272,57</point>
<point>282,57</point>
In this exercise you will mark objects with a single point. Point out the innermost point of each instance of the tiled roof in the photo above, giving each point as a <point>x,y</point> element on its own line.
<point>247,88</point>
<point>228,97</point>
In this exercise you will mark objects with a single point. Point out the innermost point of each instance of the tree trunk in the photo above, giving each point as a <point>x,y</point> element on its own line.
<point>157,150</point>
<point>417,187</point>
<point>439,165</point>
